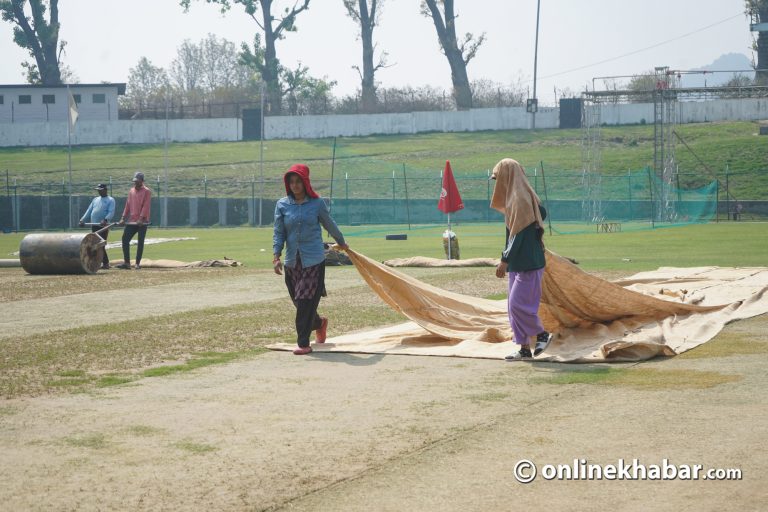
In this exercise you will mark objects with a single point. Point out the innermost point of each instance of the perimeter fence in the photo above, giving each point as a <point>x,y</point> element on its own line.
<point>576,201</point>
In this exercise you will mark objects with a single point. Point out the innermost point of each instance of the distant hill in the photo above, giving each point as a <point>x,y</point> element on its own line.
<point>726,62</point>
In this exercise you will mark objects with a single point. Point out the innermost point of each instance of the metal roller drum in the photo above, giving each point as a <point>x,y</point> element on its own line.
<point>61,253</point>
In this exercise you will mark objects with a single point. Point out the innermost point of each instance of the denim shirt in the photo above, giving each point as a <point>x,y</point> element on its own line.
<point>297,226</point>
<point>101,208</point>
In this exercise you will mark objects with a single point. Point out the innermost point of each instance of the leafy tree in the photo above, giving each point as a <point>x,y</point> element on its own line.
<point>640,83</point>
<point>147,85</point>
<point>264,59</point>
<point>32,74</point>
<point>37,35</point>
<point>305,94</point>
<point>758,11</point>
<point>458,55</point>
<point>365,14</point>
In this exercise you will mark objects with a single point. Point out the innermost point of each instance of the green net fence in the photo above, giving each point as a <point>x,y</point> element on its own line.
<point>576,201</point>
<point>372,191</point>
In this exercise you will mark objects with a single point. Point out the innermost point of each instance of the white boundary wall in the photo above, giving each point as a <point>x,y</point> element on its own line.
<point>747,109</point>
<point>120,132</point>
<point>315,127</point>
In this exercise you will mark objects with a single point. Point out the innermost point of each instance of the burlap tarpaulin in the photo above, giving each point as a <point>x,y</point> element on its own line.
<point>172,264</point>
<point>664,312</point>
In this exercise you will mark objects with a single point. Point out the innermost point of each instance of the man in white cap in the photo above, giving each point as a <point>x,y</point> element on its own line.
<point>100,211</point>
<point>135,219</point>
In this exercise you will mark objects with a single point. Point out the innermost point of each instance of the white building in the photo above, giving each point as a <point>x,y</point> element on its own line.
<point>36,103</point>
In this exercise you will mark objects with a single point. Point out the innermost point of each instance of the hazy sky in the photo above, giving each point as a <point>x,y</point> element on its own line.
<point>107,37</point>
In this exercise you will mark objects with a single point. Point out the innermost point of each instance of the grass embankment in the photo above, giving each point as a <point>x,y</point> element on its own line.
<point>230,167</point>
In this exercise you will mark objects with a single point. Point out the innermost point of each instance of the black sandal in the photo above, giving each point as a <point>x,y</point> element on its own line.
<point>543,339</point>
<point>524,354</point>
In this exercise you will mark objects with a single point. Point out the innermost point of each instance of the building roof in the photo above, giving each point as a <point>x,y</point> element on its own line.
<point>120,86</point>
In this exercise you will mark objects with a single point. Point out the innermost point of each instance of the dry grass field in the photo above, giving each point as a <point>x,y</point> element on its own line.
<point>151,390</point>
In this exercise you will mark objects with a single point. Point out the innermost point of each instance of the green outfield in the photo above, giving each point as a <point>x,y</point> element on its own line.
<point>205,320</point>
<point>723,244</point>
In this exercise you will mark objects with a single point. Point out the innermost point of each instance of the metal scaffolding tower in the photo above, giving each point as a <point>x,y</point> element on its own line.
<point>591,179</point>
<point>665,117</point>
<point>666,98</point>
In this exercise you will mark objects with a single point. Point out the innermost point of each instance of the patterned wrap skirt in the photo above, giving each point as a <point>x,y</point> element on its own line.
<point>305,282</point>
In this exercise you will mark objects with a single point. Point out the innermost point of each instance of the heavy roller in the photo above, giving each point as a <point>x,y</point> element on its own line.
<point>62,253</point>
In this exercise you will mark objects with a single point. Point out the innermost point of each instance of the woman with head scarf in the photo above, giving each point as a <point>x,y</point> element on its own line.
<point>523,255</point>
<point>298,220</point>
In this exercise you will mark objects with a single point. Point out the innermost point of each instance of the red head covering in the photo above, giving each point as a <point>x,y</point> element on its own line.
<point>302,171</point>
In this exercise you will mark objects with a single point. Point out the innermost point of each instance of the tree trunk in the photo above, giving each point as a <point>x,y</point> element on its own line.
<point>50,74</point>
<point>446,33</point>
<point>42,41</point>
<point>461,90</point>
<point>49,37</point>
<point>271,73</point>
<point>368,85</point>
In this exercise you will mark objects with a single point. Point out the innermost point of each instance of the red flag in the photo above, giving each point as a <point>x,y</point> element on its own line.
<point>450,200</point>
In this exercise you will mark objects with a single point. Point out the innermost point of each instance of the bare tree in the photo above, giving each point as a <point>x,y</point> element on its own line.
<point>37,35</point>
<point>264,59</point>
<point>458,55</point>
<point>565,92</point>
<point>187,68</point>
<point>221,69</point>
<point>366,16</point>
<point>488,94</point>
<point>203,74</point>
<point>201,71</point>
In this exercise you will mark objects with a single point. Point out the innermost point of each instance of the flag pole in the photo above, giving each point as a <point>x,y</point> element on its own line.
<point>448,203</point>
<point>69,153</point>
<point>164,203</point>
<point>449,236</point>
<point>448,198</point>
<point>261,149</point>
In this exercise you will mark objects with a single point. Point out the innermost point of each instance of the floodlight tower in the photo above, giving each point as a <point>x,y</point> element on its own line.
<point>758,14</point>
<point>533,103</point>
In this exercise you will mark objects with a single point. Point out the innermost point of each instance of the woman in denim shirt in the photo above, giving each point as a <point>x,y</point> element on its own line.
<point>299,219</point>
